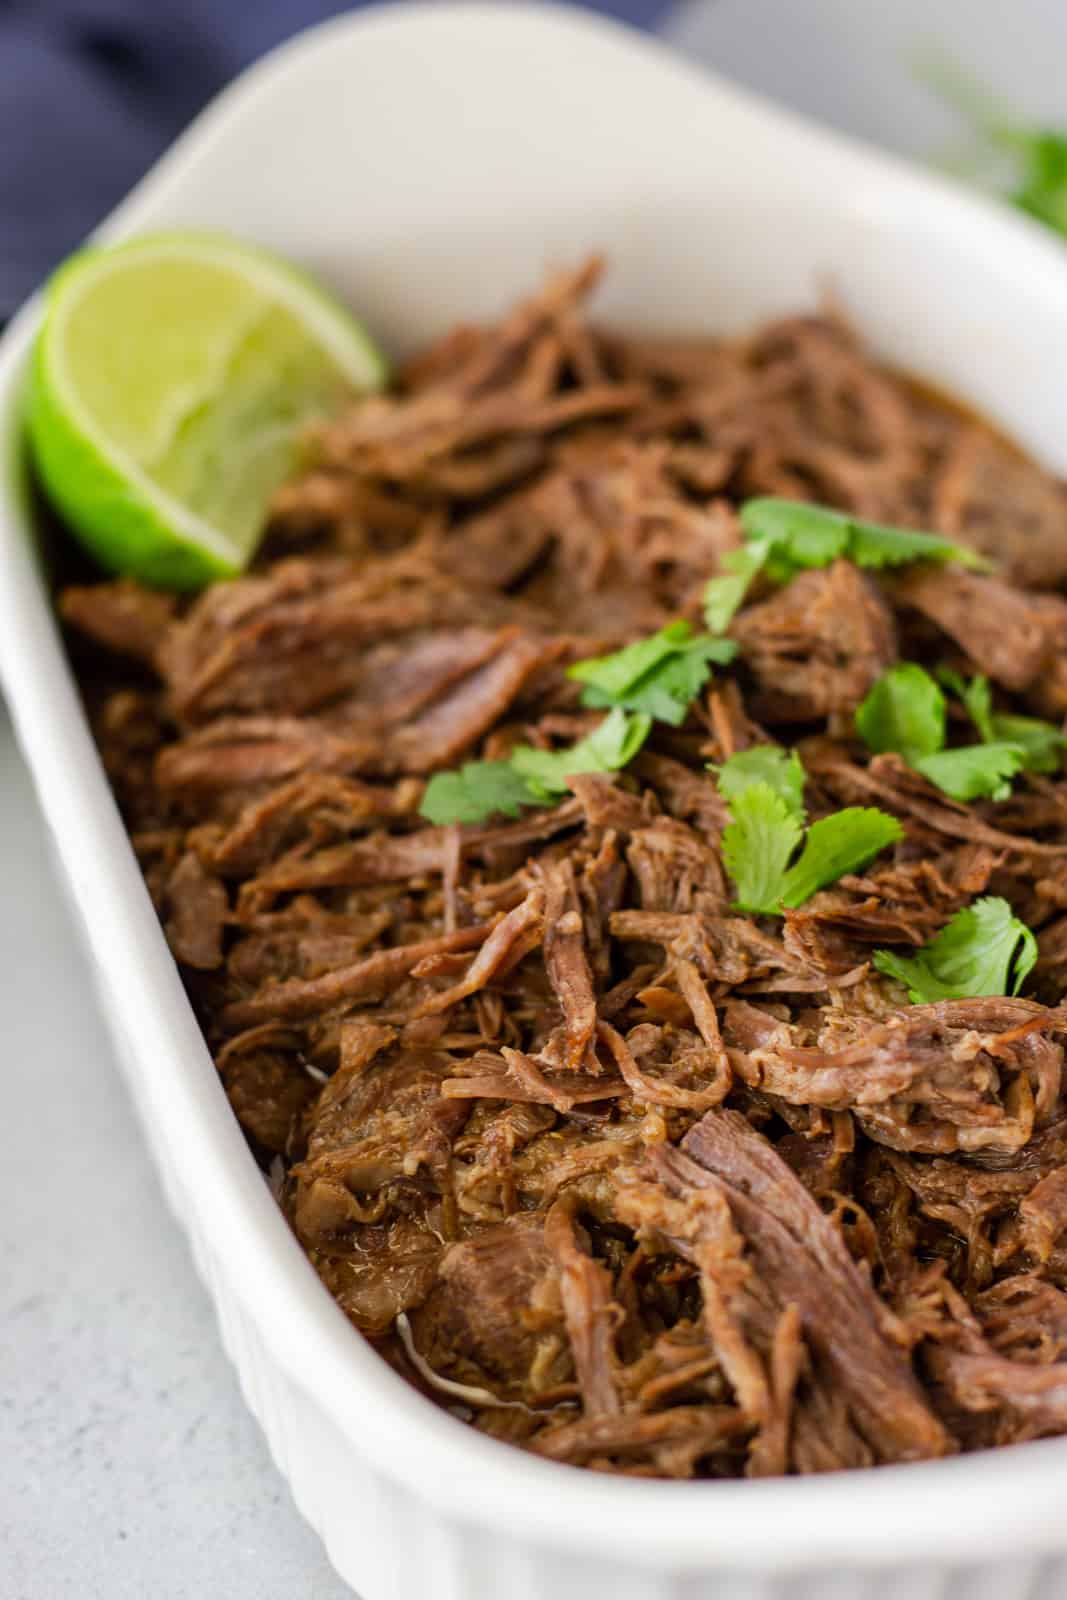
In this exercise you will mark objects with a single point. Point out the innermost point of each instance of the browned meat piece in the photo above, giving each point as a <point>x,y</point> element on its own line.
<point>616,1171</point>
<point>377,1164</point>
<point>675,870</point>
<point>518,931</point>
<point>606,805</point>
<point>845,1324</point>
<point>591,1313</point>
<point>240,754</point>
<point>818,646</point>
<point>122,616</point>
<point>793,1256</point>
<point>497,1303</point>
<point>372,976</point>
<point>1009,634</point>
<point>1025,1317</point>
<point>905,904</point>
<point>928,815</point>
<point>445,732</point>
<point>976,1204</point>
<point>1043,1215</point>
<point>982,1383</point>
<point>566,963</point>
<point>957,1075</point>
<point>309,806</point>
<point>269,1092</point>
<point>198,909</point>
<point>994,499</point>
<point>671,1442</point>
<point>685,794</point>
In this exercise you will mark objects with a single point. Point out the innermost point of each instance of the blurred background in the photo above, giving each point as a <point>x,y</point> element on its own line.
<point>128,1465</point>
<point>93,90</point>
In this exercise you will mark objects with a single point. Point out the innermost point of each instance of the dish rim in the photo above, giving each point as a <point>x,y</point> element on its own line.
<point>859,1518</point>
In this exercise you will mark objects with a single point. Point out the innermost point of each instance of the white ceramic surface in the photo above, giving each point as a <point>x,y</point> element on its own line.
<point>429,161</point>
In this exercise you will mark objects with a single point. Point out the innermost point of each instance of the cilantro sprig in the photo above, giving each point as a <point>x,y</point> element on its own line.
<point>611,745</point>
<point>974,771</point>
<point>531,777</point>
<point>653,679</point>
<point>757,846</point>
<point>475,791</point>
<point>764,789</point>
<point>1042,742</point>
<point>660,676</point>
<point>905,712</point>
<point>984,950</point>
<point>764,763</point>
<point>784,537</point>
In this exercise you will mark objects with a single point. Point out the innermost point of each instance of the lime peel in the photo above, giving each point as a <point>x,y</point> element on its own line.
<point>172,379</point>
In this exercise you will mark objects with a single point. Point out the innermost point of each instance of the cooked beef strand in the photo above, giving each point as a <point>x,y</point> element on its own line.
<point>652,1187</point>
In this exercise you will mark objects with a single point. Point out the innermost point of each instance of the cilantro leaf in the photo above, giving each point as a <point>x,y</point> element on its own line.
<point>475,791</point>
<point>757,845</point>
<point>765,789</point>
<point>806,535</point>
<point>764,763</point>
<point>799,533</point>
<point>610,746</point>
<point>974,771</point>
<point>1042,742</point>
<point>661,675</point>
<point>1042,189</point>
<point>977,699</point>
<point>787,536</point>
<point>874,545</point>
<point>723,595</point>
<point>984,950</point>
<point>531,777</point>
<point>843,842</point>
<point>905,711</point>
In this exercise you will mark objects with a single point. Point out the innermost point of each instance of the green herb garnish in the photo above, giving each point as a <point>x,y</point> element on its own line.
<point>610,746</point>
<point>660,676</point>
<point>531,777</point>
<point>1042,742</point>
<point>723,596</point>
<point>843,842</point>
<point>764,788</point>
<point>974,771</point>
<point>984,950</point>
<point>1041,187</point>
<point>784,537</point>
<point>905,711</point>
<point>757,846</point>
<point>475,791</point>
<point>764,763</point>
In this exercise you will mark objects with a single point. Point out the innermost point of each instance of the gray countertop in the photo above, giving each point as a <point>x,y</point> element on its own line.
<point>128,1463</point>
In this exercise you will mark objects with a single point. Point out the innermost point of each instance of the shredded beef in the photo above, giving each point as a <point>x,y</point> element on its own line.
<point>610,1169</point>
<point>818,646</point>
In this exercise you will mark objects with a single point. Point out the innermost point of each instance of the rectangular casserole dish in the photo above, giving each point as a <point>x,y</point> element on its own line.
<point>428,161</point>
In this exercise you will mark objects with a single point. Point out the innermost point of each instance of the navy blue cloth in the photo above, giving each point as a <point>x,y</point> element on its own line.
<point>92,90</point>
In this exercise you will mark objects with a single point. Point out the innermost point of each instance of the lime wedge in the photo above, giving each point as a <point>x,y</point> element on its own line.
<point>172,380</point>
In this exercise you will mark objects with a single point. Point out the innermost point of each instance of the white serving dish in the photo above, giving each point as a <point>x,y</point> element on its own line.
<point>429,160</point>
